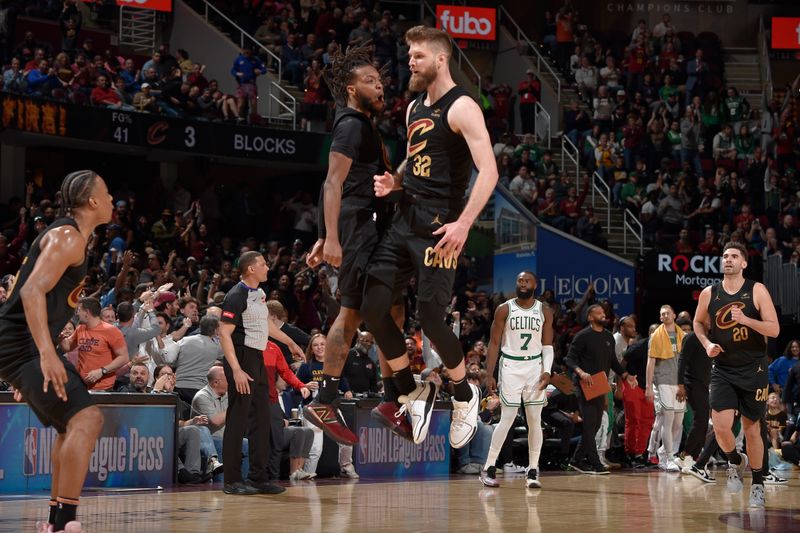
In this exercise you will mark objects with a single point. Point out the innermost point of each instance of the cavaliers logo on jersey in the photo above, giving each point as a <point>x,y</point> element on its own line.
<point>723,318</point>
<point>418,128</point>
<point>75,295</point>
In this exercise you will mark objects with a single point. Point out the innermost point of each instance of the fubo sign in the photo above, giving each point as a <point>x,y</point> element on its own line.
<point>464,22</point>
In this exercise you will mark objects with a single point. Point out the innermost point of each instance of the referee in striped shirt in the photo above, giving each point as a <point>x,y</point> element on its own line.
<point>244,332</point>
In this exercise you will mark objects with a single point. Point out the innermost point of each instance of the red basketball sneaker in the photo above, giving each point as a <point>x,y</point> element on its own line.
<point>394,418</point>
<point>329,420</point>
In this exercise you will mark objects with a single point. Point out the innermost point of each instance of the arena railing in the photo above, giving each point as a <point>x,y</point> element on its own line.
<point>600,187</point>
<point>632,224</point>
<point>570,153</point>
<point>541,61</point>
<point>540,111</point>
<point>766,66</point>
<point>460,57</point>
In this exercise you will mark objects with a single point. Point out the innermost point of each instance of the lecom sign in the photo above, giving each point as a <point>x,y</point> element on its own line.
<point>786,33</point>
<point>156,5</point>
<point>463,22</point>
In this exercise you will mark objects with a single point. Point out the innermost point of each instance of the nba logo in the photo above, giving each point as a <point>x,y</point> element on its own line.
<point>31,450</point>
<point>363,445</point>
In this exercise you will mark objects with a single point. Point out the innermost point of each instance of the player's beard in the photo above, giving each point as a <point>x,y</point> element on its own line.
<point>422,79</point>
<point>370,105</point>
<point>524,294</point>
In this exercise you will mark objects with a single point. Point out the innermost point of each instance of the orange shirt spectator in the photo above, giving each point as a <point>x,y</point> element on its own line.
<point>101,347</point>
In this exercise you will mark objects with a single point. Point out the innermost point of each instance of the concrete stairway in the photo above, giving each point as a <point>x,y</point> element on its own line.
<point>742,71</point>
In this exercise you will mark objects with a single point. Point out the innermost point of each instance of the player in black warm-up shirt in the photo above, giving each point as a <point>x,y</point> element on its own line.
<point>732,322</point>
<point>446,134</point>
<point>694,376</point>
<point>41,300</point>
<point>592,351</point>
<point>351,222</point>
<point>243,335</point>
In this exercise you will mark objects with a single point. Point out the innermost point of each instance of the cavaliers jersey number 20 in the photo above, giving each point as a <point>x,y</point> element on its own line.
<point>741,345</point>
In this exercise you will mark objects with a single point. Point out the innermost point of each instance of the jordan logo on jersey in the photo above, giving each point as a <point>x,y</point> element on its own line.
<point>436,220</point>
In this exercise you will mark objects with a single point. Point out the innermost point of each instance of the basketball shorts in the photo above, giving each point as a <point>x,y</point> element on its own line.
<point>744,388</point>
<point>666,399</point>
<point>49,408</point>
<point>407,250</point>
<point>518,378</point>
<point>358,232</point>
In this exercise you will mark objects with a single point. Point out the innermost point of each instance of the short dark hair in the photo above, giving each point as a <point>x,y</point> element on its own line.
<point>92,305</point>
<point>159,368</point>
<point>736,246</point>
<point>187,300</point>
<point>140,364</point>
<point>124,311</point>
<point>208,325</point>
<point>247,259</point>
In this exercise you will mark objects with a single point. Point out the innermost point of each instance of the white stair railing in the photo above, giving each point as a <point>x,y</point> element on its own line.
<point>137,28</point>
<point>541,123</point>
<point>600,187</point>
<point>633,226</point>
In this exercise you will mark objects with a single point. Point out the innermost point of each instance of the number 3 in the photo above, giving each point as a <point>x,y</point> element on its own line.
<point>190,140</point>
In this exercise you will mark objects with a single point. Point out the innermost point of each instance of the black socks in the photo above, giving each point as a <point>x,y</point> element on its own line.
<point>404,381</point>
<point>462,391</point>
<point>329,389</point>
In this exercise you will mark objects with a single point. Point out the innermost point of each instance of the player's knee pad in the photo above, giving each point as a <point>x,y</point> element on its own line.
<point>431,316</point>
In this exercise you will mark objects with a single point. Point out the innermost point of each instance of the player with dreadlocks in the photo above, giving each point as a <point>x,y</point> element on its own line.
<point>350,226</point>
<point>41,301</point>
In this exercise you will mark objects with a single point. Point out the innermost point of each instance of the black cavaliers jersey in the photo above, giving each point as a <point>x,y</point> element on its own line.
<point>17,344</point>
<point>741,345</point>
<point>439,161</point>
<point>355,136</point>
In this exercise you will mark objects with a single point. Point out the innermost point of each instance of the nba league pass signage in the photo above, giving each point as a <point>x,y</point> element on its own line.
<point>135,449</point>
<point>381,453</point>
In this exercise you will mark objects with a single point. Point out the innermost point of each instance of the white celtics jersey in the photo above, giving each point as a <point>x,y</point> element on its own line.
<point>523,334</point>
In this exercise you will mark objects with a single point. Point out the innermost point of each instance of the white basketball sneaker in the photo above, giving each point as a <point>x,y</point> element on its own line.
<point>465,419</point>
<point>419,404</point>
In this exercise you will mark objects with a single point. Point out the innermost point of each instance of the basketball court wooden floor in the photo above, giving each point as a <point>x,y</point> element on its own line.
<point>631,502</point>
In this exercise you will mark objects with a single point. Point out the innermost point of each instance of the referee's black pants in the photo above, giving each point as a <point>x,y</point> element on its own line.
<point>697,395</point>
<point>237,418</point>
<point>592,414</point>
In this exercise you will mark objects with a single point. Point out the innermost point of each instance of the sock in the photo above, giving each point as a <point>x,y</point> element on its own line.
<point>461,390</point>
<point>329,390</point>
<point>734,457</point>
<point>758,476</point>
<point>404,381</point>
<point>53,509</point>
<point>67,510</point>
<point>390,392</point>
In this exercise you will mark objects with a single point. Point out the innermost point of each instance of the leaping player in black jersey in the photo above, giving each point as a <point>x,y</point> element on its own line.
<point>39,304</point>
<point>350,225</point>
<point>733,320</point>
<point>446,134</point>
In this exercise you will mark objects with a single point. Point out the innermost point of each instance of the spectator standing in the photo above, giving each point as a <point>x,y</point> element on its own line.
<point>192,356</point>
<point>246,69</point>
<point>529,91</point>
<point>101,347</point>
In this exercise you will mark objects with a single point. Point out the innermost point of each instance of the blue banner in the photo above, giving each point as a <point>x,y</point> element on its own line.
<point>135,449</point>
<point>568,267</point>
<point>381,453</point>
<point>514,244</point>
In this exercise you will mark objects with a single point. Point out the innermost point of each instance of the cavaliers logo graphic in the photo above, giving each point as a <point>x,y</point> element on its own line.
<point>157,133</point>
<point>723,317</point>
<point>75,295</point>
<point>418,127</point>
